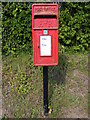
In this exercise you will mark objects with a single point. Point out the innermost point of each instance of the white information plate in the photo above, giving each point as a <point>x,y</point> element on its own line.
<point>45,45</point>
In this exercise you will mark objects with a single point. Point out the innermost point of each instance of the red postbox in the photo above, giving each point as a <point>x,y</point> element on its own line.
<point>45,34</point>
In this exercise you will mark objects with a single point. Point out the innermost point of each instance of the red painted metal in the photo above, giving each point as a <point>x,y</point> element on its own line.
<point>45,17</point>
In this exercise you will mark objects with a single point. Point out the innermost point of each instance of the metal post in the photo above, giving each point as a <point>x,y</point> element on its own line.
<point>45,90</point>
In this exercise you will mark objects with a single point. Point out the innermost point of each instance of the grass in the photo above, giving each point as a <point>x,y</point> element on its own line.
<point>23,86</point>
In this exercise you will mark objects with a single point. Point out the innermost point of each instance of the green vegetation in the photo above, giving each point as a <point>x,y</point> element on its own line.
<point>23,82</point>
<point>17,27</point>
<point>74,26</point>
<point>23,86</point>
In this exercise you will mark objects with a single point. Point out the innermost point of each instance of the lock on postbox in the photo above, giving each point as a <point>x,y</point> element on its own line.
<point>45,34</point>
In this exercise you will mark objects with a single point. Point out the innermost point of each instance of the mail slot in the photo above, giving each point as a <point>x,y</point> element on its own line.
<point>45,34</point>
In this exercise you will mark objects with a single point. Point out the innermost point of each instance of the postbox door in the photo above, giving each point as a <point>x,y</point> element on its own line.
<point>50,51</point>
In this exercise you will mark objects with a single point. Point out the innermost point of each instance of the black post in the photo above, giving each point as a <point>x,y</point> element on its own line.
<point>45,90</point>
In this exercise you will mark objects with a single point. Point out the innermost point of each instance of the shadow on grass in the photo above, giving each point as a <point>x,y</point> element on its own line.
<point>57,74</point>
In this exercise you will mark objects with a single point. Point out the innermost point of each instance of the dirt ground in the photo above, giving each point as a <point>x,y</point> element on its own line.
<point>81,91</point>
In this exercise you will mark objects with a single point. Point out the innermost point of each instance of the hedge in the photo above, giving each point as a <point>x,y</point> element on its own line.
<point>74,26</point>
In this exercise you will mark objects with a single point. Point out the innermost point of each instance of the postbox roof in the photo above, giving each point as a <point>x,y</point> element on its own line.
<point>45,9</point>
